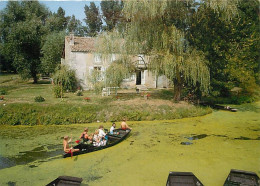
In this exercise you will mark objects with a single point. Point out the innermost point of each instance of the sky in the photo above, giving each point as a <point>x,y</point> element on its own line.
<point>70,7</point>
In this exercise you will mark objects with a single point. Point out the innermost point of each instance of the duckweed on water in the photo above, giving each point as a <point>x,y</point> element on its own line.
<point>145,158</point>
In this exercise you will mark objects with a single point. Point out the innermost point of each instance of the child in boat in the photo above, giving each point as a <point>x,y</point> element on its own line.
<point>84,136</point>
<point>124,125</point>
<point>66,148</point>
<point>102,135</point>
<point>96,139</point>
<point>112,129</point>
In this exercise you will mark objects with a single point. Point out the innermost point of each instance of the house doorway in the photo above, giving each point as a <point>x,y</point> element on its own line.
<point>138,77</point>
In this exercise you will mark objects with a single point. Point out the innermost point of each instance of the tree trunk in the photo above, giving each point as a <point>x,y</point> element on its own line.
<point>177,86</point>
<point>35,79</point>
<point>177,90</point>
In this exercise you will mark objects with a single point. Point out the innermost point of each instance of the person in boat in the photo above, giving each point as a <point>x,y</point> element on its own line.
<point>111,131</point>
<point>124,125</point>
<point>102,135</point>
<point>66,148</point>
<point>96,139</point>
<point>85,137</point>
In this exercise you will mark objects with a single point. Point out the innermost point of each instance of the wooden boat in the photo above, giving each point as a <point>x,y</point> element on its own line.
<point>65,181</point>
<point>240,177</point>
<point>225,108</point>
<point>112,140</point>
<point>183,178</point>
<point>219,107</point>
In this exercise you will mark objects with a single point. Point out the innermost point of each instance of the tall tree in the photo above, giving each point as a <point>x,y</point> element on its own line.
<point>57,21</point>
<point>111,13</point>
<point>22,27</point>
<point>93,19</point>
<point>52,51</point>
<point>243,55</point>
<point>151,32</point>
<point>229,46</point>
<point>76,27</point>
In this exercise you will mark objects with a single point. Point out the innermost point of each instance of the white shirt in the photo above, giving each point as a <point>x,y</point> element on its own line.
<point>112,130</point>
<point>101,133</point>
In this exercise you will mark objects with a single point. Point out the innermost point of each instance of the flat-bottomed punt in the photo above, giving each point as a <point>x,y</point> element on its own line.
<point>112,140</point>
<point>241,177</point>
<point>183,179</point>
<point>66,181</point>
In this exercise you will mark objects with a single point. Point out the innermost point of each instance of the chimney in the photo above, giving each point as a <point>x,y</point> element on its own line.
<point>71,38</point>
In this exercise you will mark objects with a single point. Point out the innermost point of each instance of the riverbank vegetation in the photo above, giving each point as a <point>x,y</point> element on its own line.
<point>19,107</point>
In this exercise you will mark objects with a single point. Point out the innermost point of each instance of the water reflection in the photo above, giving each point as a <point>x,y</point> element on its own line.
<point>25,157</point>
<point>197,137</point>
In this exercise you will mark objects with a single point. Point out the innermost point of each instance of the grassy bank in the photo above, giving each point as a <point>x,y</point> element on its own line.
<point>18,106</point>
<point>32,114</point>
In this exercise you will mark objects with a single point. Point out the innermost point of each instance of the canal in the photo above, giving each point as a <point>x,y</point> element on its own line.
<point>209,146</point>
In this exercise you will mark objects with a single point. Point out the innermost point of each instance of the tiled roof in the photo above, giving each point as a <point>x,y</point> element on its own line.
<point>82,44</point>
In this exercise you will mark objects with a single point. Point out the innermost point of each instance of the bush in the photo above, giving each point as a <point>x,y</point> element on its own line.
<point>3,92</point>
<point>65,78</point>
<point>39,99</point>
<point>58,92</point>
<point>79,93</point>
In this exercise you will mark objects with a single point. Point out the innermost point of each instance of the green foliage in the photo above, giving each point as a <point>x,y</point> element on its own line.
<point>151,32</point>
<point>65,78</point>
<point>37,114</point>
<point>58,91</point>
<point>39,99</point>
<point>3,92</point>
<point>57,22</point>
<point>52,51</point>
<point>115,74</point>
<point>79,93</point>
<point>93,19</point>
<point>96,80</point>
<point>111,13</point>
<point>76,27</point>
<point>28,114</point>
<point>22,30</point>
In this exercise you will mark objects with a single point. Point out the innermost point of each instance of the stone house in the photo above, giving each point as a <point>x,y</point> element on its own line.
<point>80,55</point>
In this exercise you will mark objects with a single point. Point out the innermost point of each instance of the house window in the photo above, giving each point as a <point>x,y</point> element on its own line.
<point>140,59</point>
<point>98,73</point>
<point>113,57</point>
<point>98,58</point>
<point>129,77</point>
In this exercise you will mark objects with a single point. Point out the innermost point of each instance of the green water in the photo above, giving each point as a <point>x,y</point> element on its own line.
<point>208,146</point>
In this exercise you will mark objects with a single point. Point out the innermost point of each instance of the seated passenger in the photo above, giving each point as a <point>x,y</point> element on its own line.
<point>66,148</point>
<point>102,135</point>
<point>96,139</point>
<point>112,129</point>
<point>84,136</point>
<point>124,125</point>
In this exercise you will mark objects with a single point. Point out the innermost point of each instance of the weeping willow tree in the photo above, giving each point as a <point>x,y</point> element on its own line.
<point>150,31</point>
<point>115,74</point>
